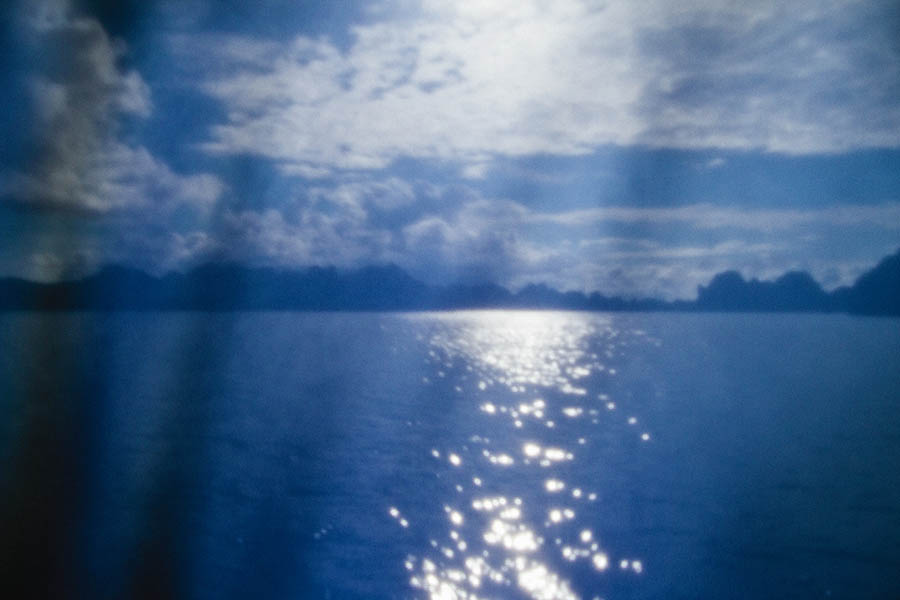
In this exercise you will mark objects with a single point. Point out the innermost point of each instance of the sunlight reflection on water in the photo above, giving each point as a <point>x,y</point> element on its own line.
<point>514,541</point>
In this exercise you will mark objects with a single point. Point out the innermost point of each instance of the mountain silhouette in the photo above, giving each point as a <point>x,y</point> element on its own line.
<point>226,286</point>
<point>876,292</point>
<point>793,291</point>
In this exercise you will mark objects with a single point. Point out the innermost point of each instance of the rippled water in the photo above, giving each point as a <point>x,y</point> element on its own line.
<point>543,455</point>
<point>528,374</point>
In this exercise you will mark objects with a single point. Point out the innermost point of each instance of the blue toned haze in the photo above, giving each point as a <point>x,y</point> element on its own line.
<point>631,148</point>
<point>174,174</point>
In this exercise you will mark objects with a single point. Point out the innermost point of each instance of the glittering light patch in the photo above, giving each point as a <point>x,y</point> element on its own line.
<point>531,370</point>
<point>554,485</point>
<point>531,450</point>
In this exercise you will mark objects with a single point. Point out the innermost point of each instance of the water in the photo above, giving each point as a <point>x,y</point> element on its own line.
<point>459,455</point>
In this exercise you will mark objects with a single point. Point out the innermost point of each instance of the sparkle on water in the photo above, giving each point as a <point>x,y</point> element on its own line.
<point>495,541</point>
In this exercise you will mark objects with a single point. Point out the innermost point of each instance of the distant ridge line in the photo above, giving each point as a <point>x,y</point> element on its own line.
<point>224,286</point>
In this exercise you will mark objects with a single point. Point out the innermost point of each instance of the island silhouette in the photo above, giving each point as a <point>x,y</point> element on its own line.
<point>229,286</point>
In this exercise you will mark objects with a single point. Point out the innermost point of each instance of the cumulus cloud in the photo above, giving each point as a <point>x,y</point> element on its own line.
<point>387,194</point>
<point>467,81</point>
<point>81,163</point>
<point>113,176</point>
<point>444,234</point>
<point>325,226</point>
<point>484,241</point>
<point>480,241</point>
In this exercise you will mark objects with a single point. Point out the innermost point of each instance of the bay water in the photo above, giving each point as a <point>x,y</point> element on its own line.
<point>474,454</point>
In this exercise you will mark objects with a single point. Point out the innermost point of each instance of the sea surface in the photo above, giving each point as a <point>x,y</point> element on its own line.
<point>494,454</point>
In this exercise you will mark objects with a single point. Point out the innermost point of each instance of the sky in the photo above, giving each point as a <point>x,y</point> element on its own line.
<point>630,147</point>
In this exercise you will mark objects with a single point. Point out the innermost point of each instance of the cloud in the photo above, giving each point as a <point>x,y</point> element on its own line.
<point>80,99</point>
<point>469,247</point>
<point>465,82</point>
<point>625,248</point>
<point>445,234</point>
<point>387,194</point>
<point>708,216</point>
<point>114,177</point>
<point>635,267</point>
<point>463,86</point>
<point>334,226</point>
<point>484,240</point>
